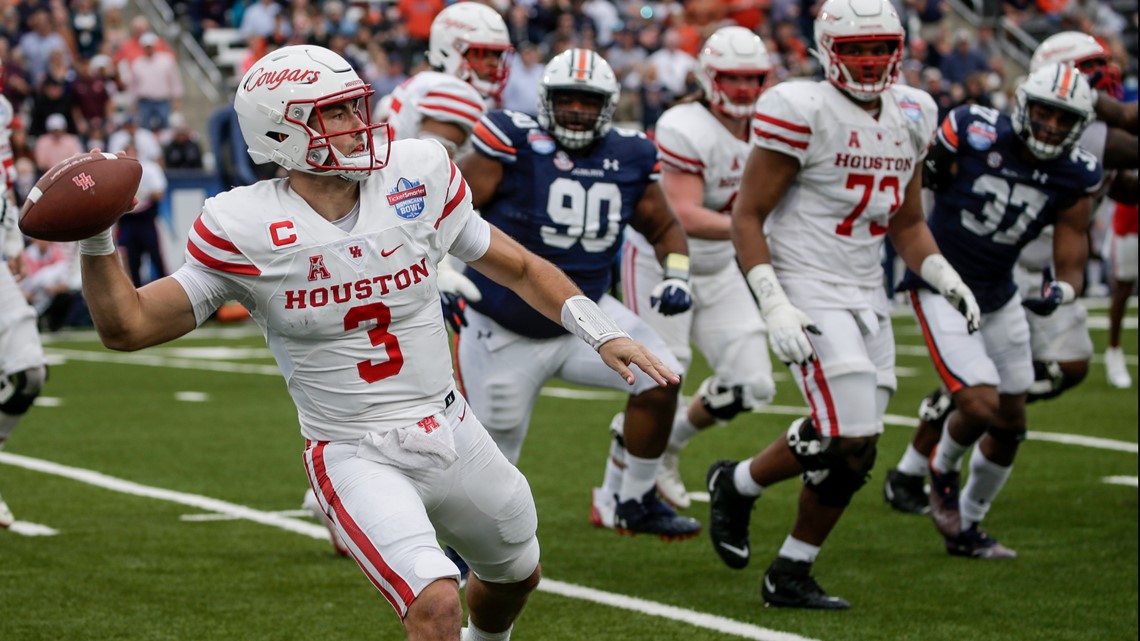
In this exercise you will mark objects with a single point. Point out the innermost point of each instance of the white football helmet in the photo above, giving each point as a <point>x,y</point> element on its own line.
<point>733,51</point>
<point>468,39</point>
<point>577,70</point>
<point>279,94</point>
<point>1061,86</point>
<point>841,21</point>
<point>1085,53</point>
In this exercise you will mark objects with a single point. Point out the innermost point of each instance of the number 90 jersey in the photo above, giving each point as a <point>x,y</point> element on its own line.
<point>569,208</point>
<point>854,170</point>
<point>996,202</point>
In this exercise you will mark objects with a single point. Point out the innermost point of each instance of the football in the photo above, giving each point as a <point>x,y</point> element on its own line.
<point>80,197</point>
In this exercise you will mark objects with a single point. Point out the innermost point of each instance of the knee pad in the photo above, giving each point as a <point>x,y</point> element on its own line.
<point>1048,381</point>
<point>722,401</point>
<point>836,484</point>
<point>808,445</point>
<point>1009,437</point>
<point>18,391</point>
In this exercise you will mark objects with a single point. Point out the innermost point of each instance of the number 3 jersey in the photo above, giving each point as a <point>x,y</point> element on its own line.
<point>854,169</point>
<point>569,208</point>
<point>352,317</point>
<point>997,202</point>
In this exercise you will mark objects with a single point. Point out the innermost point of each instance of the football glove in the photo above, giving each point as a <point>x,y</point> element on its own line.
<point>672,295</point>
<point>454,310</point>
<point>455,290</point>
<point>786,322</point>
<point>938,273</point>
<point>1054,293</point>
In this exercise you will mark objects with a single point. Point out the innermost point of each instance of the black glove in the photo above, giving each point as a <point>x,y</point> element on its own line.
<point>1052,296</point>
<point>454,310</point>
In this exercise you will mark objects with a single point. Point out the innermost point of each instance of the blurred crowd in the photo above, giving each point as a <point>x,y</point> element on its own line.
<point>81,75</point>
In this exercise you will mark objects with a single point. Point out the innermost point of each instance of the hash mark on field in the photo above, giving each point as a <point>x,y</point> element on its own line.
<point>1130,481</point>
<point>24,528</point>
<point>312,530</point>
<point>191,397</point>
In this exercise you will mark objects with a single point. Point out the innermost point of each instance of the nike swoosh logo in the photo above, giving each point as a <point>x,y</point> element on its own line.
<point>768,585</point>
<point>388,252</point>
<point>740,552</point>
<point>712,481</point>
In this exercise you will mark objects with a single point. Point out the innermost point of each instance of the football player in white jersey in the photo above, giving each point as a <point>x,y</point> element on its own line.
<point>468,50</point>
<point>22,365</point>
<point>1060,341</point>
<point>702,144</point>
<point>834,169</point>
<point>337,263</point>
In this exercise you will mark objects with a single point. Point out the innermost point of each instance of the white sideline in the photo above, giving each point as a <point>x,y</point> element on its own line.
<point>312,530</point>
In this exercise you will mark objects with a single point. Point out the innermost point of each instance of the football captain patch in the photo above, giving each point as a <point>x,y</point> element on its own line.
<point>408,198</point>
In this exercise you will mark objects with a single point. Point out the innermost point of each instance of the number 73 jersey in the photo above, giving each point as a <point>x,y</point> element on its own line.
<point>997,202</point>
<point>854,169</point>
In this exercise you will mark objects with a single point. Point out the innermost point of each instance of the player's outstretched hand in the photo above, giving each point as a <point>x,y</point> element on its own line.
<point>454,310</point>
<point>1052,296</point>
<point>671,297</point>
<point>620,353</point>
<point>787,325</point>
<point>451,281</point>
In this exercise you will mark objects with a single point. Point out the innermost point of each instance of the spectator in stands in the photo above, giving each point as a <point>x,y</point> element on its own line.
<point>337,20</point>
<point>383,71</point>
<point>521,92</point>
<point>625,56</point>
<point>51,97</point>
<point>26,175</point>
<point>131,134</point>
<point>87,27</point>
<point>182,151</point>
<point>793,50</point>
<point>564,32</point>
<point>92,106</point>
<point>138,230</point>
<point>933,84</point>
<point>17,83</point>
<point>263,18</point>
<point>522,27</point>
<point>673,66</point>
<point>57,144</point>
<point>155,84</point>
<point>964,59</point>
<point>133,47</point>
<point>975,90</point>
<point>38,44</point>
<point>606,20</point>
<point>417,17</point>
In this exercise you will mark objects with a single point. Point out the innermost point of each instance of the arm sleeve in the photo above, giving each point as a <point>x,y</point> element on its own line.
<point>206,289</point>
<point>780,125</point>
<point>473,239</point>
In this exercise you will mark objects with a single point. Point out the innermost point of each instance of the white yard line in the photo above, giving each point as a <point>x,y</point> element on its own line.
<point>225,509</point>
<point>23,528</point>
<point>1130,481</point>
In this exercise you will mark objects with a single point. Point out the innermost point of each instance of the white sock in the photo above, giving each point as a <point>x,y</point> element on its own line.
<point>913,463</point>
<point>985,483</point>
<point>615,469</point>
<point>683,430</point>
<point>948,458</point>
<point>472,633</point>
<point>640,477</point>
<point>797,550</point>
<point>742,479</point>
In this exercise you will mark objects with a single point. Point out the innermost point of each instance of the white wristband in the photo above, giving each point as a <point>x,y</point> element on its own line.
<point>1068,294</point>
<point>766,288</point>
<point>101,244</point>
<point>583,318</point>
<point>939,274</point>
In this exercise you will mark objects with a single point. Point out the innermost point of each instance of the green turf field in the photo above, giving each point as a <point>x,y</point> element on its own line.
<point>163,475</point>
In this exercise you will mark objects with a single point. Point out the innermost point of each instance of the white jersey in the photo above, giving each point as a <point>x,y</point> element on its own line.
<point>429,94</point>
<point>352,318</point>
<point>690,139</point>
<point>854,169</point>
<point>11,241</point>
<point>1038,254</point>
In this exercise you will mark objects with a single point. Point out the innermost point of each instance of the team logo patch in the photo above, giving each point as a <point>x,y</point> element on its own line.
<point>354,250</point>
<point>980,135</point>
<point>993,159</point>
<point>911,109</point>
<point>540,142</point>
<point>562,161</point>
<point>408,198</point>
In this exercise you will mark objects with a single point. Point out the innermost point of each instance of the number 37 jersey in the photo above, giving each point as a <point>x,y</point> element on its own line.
<point>570,208</point>
<point>854,169</point>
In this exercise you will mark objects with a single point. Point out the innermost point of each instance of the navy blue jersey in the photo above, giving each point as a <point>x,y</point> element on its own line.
<point>996,202</point>
<point>571,208</point>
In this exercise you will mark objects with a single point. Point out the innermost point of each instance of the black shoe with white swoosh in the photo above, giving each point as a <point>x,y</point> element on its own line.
<point>789,584</point>
<point>729,515</point>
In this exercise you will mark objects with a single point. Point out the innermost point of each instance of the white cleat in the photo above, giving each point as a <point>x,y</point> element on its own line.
<point>1117,369</point>
<point>602,509</point>
<point>6,517</point>
<point>311,504</point>
<point>669,483</point>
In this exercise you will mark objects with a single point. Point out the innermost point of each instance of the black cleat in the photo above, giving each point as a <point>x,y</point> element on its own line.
<point>906,492</point>
<point>789,584</point>
<point>976,544</point>
<point>730,513</point>
<point>651,516</point>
